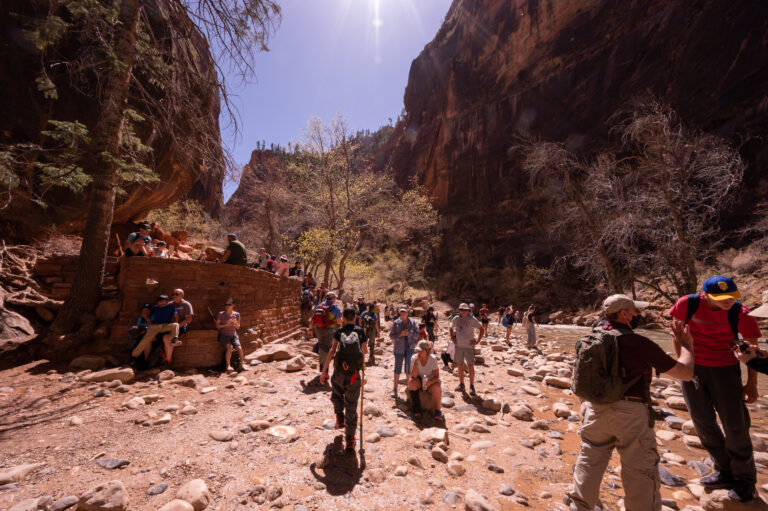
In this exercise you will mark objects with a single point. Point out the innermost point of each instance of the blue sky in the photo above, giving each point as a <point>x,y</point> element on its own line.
<point>327,57</point>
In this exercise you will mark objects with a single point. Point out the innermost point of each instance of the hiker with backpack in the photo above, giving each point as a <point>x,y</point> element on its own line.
<point>228,322</point>
<point>369,322</point>
<point>430,320</point>
<point>612,375</point>
<point>425,374</point>
<point>348,354</point>
<point>326,319</point>
<point>716,318</point>
<point>529,325</point>
<point>404,333</point>
<point>463,336</point>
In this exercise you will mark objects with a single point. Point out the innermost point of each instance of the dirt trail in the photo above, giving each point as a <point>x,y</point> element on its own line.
<point>47,415</point>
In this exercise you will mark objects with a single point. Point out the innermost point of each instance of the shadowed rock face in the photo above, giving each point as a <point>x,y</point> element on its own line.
<point>246,204</point>
<point>560,69</point>
<point>26,111</point>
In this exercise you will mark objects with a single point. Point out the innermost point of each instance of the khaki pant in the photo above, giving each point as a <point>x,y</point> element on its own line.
<point>152,331</point>
<point>623,425</point>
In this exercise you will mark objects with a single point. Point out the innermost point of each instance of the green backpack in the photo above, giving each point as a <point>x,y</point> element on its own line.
<point>597,376</point>
<point>349,354</point>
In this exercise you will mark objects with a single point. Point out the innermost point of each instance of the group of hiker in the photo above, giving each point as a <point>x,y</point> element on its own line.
<point>712,332</point>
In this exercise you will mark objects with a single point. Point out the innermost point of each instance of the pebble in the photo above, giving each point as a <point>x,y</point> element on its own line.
<point>158,489</point>
<point>492,404</point>
<point>439,455</point>
<point>701,468</point>
<point>474,501</point>
<point>188,410</point>
<point>373,438</point>
<point>670,479</point>
<point>545,495</point>
<point>63,503</point>
<point>415,461</point>
<point>102,393</point>
<point>112,463</point>
<point>196,493</point>
<point>451,498</point>
<point>483,444</point>
<point>455,469</point>
<point>507,490</point>
<point>479,428</point>
<point>207,390</point>
<point>165,419</point>
<point>75,421</point>
<point>384,431</point>
<point>222,435</point>
<point>447,402</point>
<point>495,468</point>
<point>401,471</point>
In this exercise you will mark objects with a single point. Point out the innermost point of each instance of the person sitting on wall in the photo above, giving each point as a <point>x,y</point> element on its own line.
<point>283,268</point>
<point>164,320</point>
<point>160,250</point>
<point>183,309</point>
<point>143,234</point>
<point>136,248</point>
<point>235,252</point>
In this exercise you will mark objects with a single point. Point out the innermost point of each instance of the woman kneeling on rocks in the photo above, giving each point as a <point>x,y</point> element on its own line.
<point>425,373</point>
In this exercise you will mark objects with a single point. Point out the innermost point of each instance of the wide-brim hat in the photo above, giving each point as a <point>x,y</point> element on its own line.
<point>422,346</point>
<point>463,307</point>
<point>616,303</point>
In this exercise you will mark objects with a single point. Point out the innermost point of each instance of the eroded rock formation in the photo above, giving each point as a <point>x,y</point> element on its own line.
<point>26,111</point>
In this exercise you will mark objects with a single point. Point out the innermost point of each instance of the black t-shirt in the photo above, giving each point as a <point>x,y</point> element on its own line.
<point>347,329</point>
<point>131,253</point>
<point>638,355</point>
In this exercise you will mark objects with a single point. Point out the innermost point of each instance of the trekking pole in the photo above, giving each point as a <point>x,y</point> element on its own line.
<point>362,396</point>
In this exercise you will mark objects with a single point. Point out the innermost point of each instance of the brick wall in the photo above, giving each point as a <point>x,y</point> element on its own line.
<point>267,304</point>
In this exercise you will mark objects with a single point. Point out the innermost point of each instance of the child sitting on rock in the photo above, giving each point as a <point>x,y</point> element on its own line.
<point>425,374</point>
<point>348,353</point>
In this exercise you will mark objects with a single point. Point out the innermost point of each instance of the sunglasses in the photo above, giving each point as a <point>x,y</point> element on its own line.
<point>175,294</point>
<point>228,305</point>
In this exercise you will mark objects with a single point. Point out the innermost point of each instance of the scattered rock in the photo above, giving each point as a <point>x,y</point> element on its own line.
<point>112,463</point>
<point>377,475</point>
<point>431,435</point>
<point>492,404</point>
<point>674,422</point>
<point>521,413</point>
<point>196,493</point>
<point>665,435</point>
<point>196,381</point>
<point>19,472</point>
<point>515,371</point>
<point>75,421</point>
<point>157,489</point>
<point>165,419</point>
<point>166,375</point>
<point>507,490</point>
<point>480,428</point>
<point>415,461</point>
<point>447,402</point>
<point>676,402</point>
<point>670,479</point>
<point>188,410</point>
<point>124,374</point>
<point>221,435</point>
<point>483,444</point>
<point>495,468</point>
<point>474,501</point>
<point>689,428</point>
<point>134,403</point>
<point>207,390</point>
<point>373,438</point>
<point>692,441</point>
<point>439,455</point>
<point>561,410</point>
<point>558,382</point>
<point>102,393</point>
<point>64,503</point>
<point>372,410</point>
<point>109,496</point>
<point>451,498</point>
<point>401,471</point>
<point>701,468</point>
<point>177,505</point>
<point>282,432</point>
<point>455,468</point>
<point>384,431</point>
<point>258,425</point>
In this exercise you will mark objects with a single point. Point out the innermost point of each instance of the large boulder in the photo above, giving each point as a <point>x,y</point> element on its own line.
<point>110,496</point>
<point>271,353</point>
<point>18,472</point>
<point>124,374</point>
<point>196,493</point>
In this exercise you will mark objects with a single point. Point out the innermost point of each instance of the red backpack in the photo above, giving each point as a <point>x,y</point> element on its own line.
<point>320,317</point>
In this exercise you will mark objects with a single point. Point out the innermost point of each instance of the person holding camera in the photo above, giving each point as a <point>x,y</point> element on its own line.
<point>716,318</point>
<point>425,374</point>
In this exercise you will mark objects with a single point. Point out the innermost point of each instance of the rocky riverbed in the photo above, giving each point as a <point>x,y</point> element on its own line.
<point>114,439</point>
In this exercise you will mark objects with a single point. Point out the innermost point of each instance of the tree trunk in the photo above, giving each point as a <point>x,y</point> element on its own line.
<point>106,135</point>
<point>327,271</point>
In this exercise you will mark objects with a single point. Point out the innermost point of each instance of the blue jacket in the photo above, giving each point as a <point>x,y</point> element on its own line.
<point>413,335</point>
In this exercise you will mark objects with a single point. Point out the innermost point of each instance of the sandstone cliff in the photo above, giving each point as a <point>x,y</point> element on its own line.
<point>560,69</point>
<point>26,111</point>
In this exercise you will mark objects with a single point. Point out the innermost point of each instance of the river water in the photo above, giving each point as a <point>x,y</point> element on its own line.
<point>567,336</point>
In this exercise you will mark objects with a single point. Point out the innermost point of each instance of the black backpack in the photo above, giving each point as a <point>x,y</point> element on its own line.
<point>369,325</point>
<point>349,352</point>
<point>694,301</point>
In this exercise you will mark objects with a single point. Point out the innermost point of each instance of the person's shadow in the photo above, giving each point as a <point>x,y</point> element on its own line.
<point>313,386</point>
<point>342,470</point>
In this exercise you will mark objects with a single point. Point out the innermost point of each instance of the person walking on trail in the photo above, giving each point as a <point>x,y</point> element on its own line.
<point>369,321</point>
<point>517,316</point>
<point>485,319</point>
<point>348,354</point>
<point>425,374</point>
<point>529,325</point>
<point>404,333</point>
<point>625,424</point>
<point>463,336</point>
<point>508,321</point>
<point>716,317</point>
<point>325,320</point>
<point>228,322</point>
<point>430,320</point>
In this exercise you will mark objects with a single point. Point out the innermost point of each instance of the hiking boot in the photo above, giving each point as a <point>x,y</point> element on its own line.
<point>472,390</point>
<point>175,342</point>
<point>460,388</point>
<point>350,447</point>
<point>742,491</point>
<point>439,416</point>
<point>339,422</point>
<point>717,480</point>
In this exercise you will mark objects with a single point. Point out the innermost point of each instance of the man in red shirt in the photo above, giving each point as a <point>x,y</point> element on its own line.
<point>717,386</point>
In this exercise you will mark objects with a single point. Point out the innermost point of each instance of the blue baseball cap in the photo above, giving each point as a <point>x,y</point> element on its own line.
<point>721,288</point>
<point>232,235</point>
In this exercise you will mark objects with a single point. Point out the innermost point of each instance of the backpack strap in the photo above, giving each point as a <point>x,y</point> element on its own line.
<point>693,305</point>
<point>733,318</point>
